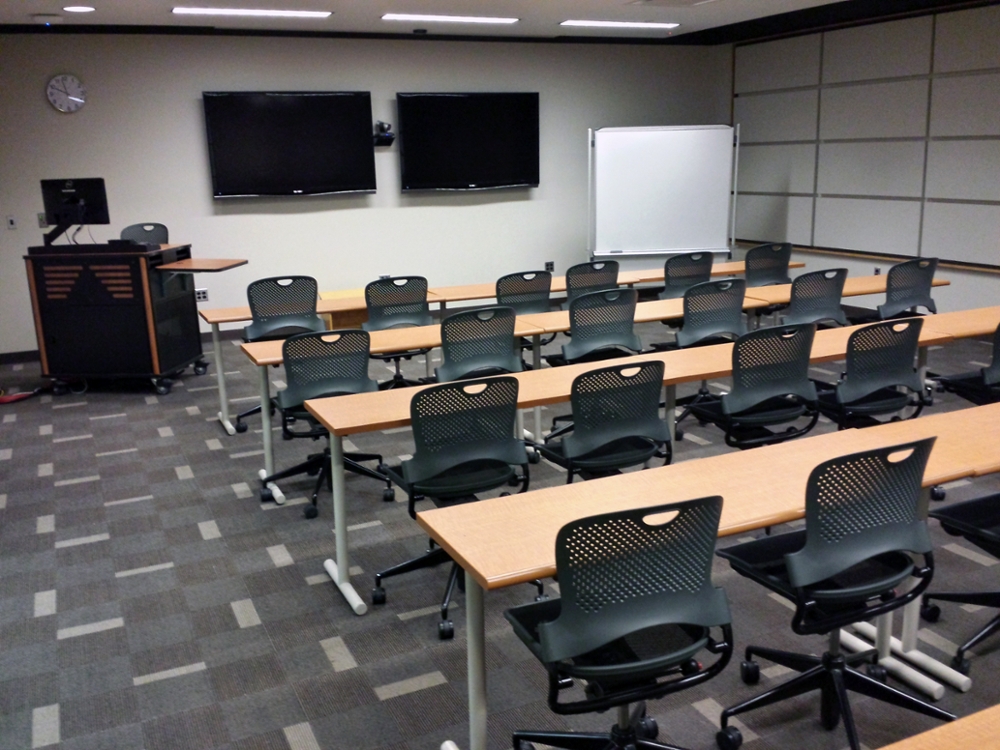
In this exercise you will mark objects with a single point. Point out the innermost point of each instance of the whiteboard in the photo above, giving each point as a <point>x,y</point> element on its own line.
<point>661,189</point>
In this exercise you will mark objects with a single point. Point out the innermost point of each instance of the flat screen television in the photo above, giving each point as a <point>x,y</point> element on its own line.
<point>289,142</point>
<point>473,141</point>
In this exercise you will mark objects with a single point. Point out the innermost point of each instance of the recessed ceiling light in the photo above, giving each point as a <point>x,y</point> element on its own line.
<point>253,12</point>
<point>78,9</point>
<point>445,19</point>
<point>620,24</point>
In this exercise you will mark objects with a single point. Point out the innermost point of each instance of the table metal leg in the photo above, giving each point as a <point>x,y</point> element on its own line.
<point>220,376</point>
<point>476,645</point>
<point>339,571</point>
<point>536,363</point>
<point>265,424</point>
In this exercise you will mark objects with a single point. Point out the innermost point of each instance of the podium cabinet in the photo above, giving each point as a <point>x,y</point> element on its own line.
<point>107,311</point>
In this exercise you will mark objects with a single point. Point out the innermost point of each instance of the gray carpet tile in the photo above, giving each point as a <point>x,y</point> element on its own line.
<point>162,605</point>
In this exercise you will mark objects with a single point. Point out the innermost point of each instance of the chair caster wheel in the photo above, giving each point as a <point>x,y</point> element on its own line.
<point>311,511</point>
<point>930,612</point>
<point>378,595</point>
<point>542,597</point>
<point>388,495</point>
<point>690,667</point>
<point>446,630</point>
<point>534,457</point>
<point>514,481</point>
<point>266,495</point>
<point>960,665</point>
<point>647,728</point>
<point>750,672</point>
<point>678,434</point>
<point>878,672</point>
<point>937,493</point>
<point>241,427</point>
<point>729,738</point>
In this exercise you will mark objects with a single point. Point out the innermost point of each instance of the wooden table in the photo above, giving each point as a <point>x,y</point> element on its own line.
<point>755,495</point>
<point>487,290</point>
<point>367,412</point>
<point>978,730</point>
<point>980,321</point>
<point>854,286</point>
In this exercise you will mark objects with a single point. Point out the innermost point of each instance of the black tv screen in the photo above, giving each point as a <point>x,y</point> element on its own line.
<point>289,142</point>
<point>468,141</point>
<point>75,201</point>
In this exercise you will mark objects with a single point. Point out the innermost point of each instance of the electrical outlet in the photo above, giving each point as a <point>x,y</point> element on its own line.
<point>201,295</point>
<point>11,223</point>
<point>550,265</point>
<point>878,271</point>
<point>42,223</point>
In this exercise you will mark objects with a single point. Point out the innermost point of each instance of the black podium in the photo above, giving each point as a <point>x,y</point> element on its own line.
<point>108,311</point>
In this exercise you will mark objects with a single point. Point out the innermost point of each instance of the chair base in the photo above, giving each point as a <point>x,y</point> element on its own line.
<point>634,731</point>
<point>318,465</point>
<point>980,599</point>
<point>833,675</point>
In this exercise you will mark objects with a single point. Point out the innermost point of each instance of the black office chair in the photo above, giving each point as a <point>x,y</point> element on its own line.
<point>601,327</point>
<point>526,292</point>
<point>463,434</point>
<point>767,264</point>
<point>977,521</point>
<point>907,289</point>
<point>280,306</point>
<point>586,278</point>
<point>478,343</point>
<point>771,387</point>
<point>683,270</point>
<point>616,422</point>
<point>881,376</point>
<point>851,563</point>
<point>320,365</point>
<point>397,302</point>
<point>636,613</point>
<point>980,387</point>
<point>815,298</point>
<point>148,232</point>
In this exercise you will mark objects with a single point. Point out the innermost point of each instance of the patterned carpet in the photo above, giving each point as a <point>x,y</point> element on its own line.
<point>148,599</point>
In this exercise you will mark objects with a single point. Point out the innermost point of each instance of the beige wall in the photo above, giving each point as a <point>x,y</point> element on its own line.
<point>142,130</point>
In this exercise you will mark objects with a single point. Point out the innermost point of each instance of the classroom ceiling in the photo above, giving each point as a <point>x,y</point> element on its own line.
<point>701,21</point>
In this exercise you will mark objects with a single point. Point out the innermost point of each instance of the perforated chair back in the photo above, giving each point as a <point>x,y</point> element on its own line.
<point>148,232</point>
<point>860,506</point>
<point>908,286</point>
<point>462,423</point>
<point>816,298</point>
<point>477,343</point>
<point>769,363</point>
<point>526,292</point>
<point>595,276</point>
<point>282,306</point>
<point>601,325</point>
<point>396,302</point>
<point>616,403</point>
<point>683,271</point>
<point>768,264</point>
<point>712,310</point>
<point>328,363</point>
<point>880,356</point>
<point>623,572</point>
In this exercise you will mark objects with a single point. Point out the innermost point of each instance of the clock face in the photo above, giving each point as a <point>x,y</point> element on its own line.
<point>66,93</point>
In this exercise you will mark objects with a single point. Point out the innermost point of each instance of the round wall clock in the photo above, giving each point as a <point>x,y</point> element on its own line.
<point>66,93</point>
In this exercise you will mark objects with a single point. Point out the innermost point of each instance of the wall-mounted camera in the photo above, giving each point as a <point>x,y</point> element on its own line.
<point>383,134</point>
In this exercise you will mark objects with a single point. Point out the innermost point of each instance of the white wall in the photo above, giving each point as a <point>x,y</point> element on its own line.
<point>878,138</point>
<point>142,130</point>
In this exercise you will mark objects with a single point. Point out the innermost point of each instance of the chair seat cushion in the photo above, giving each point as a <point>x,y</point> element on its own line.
<point>618,454</point>
<point>614,663</point>
<point>763,560</point>
<point>776,410</point>
<point>882,401</point>
<point>462,482</point>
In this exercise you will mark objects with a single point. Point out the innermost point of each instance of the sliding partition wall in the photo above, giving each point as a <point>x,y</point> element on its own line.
<point>880,138</point>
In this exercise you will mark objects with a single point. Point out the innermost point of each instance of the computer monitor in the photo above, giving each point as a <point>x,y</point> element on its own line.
<point>74,201</point>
